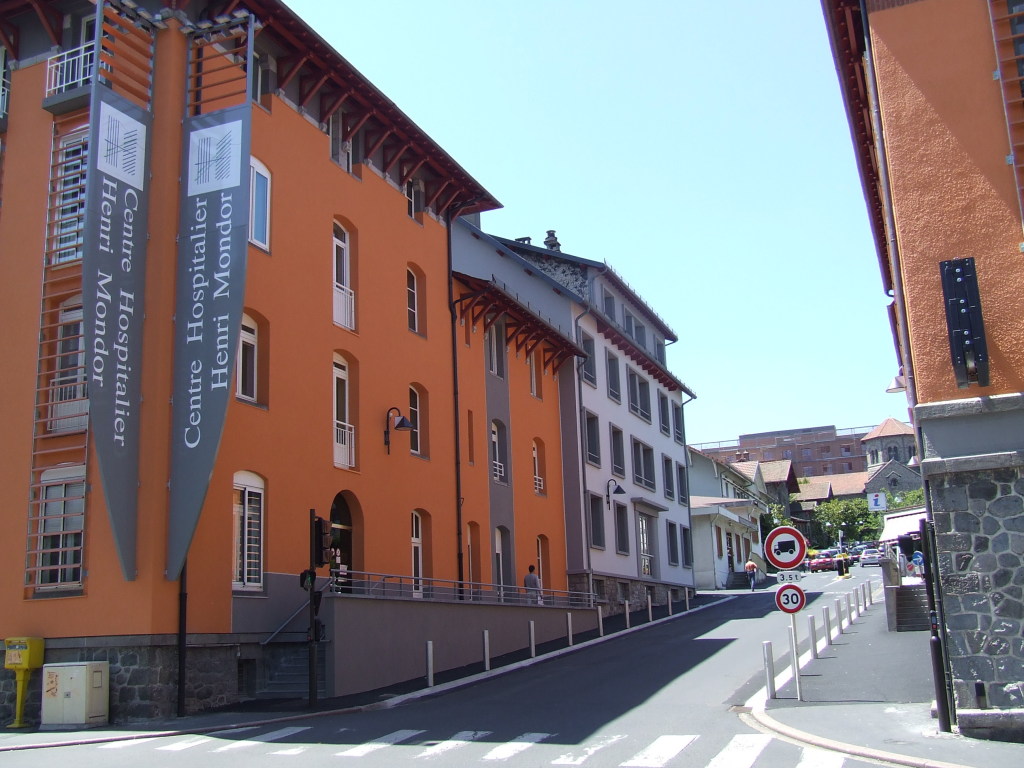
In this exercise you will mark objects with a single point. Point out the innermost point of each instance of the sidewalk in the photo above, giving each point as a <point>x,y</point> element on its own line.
<point>870,694</point>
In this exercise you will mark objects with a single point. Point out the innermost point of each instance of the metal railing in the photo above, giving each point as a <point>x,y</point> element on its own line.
<point>498,471</point>
<point>70,69</point>
<point>344,307</point>
<point>5,92</point>
<point>538,484</point>
<point>344,445</point>
<point>69,404</point>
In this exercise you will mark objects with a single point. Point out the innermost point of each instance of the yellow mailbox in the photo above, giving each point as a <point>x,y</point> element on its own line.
<point>23,655</point>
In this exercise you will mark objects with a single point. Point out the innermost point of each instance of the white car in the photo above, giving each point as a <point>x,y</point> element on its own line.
<point>871,557</point>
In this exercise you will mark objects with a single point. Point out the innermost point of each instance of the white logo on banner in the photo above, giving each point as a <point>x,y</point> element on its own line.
<point>213,158</point>
<point>122,147</point>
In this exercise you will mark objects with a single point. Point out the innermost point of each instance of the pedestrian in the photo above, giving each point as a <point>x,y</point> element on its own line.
<point>751,569</point>
<point>532,583</point>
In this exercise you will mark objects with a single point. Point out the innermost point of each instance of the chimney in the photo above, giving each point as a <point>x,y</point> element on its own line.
<point>524,240</point>
<point>552,242</point>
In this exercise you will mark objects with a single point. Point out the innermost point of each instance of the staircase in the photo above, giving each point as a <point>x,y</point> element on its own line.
<point>912,609</point>
<point>286,672</point>
<point>737,580</point>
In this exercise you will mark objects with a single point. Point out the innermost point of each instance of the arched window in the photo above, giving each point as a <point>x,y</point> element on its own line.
<point>247,523</point>
<point>893,452</point>
<point>418,417</point>
<point>412,300</point>
<point>57,528</point>
<point>344,296</point>
<point>344,430</point>
<point>417,554</point>
<point>538,466</point>
<point>499,452</point>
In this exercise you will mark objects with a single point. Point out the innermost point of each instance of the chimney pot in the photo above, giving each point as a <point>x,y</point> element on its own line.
<point>552,242</point>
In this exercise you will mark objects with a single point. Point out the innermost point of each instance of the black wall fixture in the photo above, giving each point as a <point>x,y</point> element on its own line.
<point>966,328</point>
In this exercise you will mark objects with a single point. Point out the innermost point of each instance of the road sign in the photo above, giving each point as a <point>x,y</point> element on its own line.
<point>877,502</point>
<point>785,547</point>
<point>788,577</point>
<point>790,598</point>
<point>918,558</point>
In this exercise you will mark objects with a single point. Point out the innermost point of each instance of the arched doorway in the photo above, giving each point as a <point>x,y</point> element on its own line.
<point>341,542</point>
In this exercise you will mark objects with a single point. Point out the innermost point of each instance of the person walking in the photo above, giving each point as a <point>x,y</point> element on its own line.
<point>532,583</point>
<point>751,569</point>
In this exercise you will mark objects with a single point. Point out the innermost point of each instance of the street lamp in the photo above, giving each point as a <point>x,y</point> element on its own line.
<point>402,424</point>
<point>608,491</point>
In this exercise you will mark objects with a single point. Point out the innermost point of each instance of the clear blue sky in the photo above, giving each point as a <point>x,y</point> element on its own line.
<point>699,147</point>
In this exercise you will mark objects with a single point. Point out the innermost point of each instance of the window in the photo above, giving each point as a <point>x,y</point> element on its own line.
<point>499,452</point>
<point>608,302</point>
<point>718,542</point>
<point>847,466</point>
<point>57,528</point>
<point>69,403</point>
<point>538,466</point>
<point>247,522</point>
<point>494,351</point>
<point>677,422</point>
<point>344,297</point>
<point>643,465</point>
<point>685,546</point>
<point>787,454</point>
<point>245,367</point>
<point>412,300</point>
<point>663,414</point>
<point>414,418</point>
<point>589,363</point>
<point>684,493</point>
<point>618,448</point>
<point>416,544</point>
<point>768,456</point>
<point>826,469</point>
<point>621,529</point>
<point>645,544</point>
<point>659,351</point>
<point>893,453</point>
<point>612,370</point>
<point>847,450</point>
<point>259,204</point>
<point>671,534</point>
<point>596,521</point>
<point>68,189</point>
<point>344,432</point>
<point>593,439</point>
<point>341,150</point>
<point>536,375</point>
<point>639,394</point>
<point>826,451</point>
<point>874,456</point>
<point>413,197</point>
<point>805,453</point>
<point>669,472</point>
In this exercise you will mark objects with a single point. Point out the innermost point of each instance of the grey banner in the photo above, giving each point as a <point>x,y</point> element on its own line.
<point>113,283</point>
<point>213,239</point>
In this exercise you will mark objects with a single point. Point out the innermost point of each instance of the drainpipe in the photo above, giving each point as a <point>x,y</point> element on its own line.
<point>452,212</point>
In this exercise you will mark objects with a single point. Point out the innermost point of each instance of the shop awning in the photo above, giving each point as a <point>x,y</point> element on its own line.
<point>902,523</point>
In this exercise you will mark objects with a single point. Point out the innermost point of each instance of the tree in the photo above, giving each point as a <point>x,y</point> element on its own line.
<point>904,499</point>
<point>851,516</point>
<point>775,516</point>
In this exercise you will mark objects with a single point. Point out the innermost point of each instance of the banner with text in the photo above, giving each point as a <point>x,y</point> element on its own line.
<point>114,241</point>
<point>212,243</point>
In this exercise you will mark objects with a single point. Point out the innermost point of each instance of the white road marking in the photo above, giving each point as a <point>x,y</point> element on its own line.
<point>460,739</point>
<point>517,745</point>
<point>277,735</point>
<point>741,751</point>
<point>661,750</point>
<point>578,758</point>
<point>187,744</point>
<point>820,758</point>
<point>126,743</point>
<point>383,741</point>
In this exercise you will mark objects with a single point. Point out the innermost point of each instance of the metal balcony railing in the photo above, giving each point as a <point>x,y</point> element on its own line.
<point>5,93</point>
<point>69,405</point>
<point>344,307</point>
<point>69,70</point>
<point>344,445</point>
<point>498,471</point>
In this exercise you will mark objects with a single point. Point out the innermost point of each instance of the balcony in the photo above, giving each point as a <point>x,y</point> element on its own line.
<point>344,307</point>
<point>69,404</point>
<point>344,445</point>
<point>5,95</point>
<point>68,77</point>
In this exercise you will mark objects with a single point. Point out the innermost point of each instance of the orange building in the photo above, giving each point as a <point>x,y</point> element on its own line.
<point>227,296</point>
<point>934,93</point>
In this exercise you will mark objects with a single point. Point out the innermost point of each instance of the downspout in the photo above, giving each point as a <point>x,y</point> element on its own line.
<point>451,213</point>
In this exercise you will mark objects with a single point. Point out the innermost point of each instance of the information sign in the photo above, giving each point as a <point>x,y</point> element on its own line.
<point>790,598</point>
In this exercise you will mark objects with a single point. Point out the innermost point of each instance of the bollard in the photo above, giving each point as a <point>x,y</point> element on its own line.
<point>769,668</point>
<point>849,608</point>
<point>533,641</point>
<point>686,593</point>
<point>430,663</point>
<point>568,626</point>
<point>839,618</point>
<point>856,602</point>
<point>813,634</point>
<point>626,603</point>
<point>670,602</point>
<point>487,650</point>
<point>650,612</point>
<point>828,626</point>
<point>866,593</point>
<point>794,653</point>
<point>600,622</point>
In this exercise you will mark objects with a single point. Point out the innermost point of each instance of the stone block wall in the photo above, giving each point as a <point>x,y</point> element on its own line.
<point>979,527</point>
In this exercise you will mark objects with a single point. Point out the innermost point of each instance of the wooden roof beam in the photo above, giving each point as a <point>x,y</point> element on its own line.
<point>437,193</point>
<point>354,127</point>
<point>412,171</point>
<point>52,21</point>
<point>326,113</point>
<point>292,72</point>
<point>389,164</point>
<point>378,143</point>
<point>304,100</point>
<point>7,39</point>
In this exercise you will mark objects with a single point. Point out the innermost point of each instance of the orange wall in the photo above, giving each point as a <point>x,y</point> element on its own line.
<point>954,195</point>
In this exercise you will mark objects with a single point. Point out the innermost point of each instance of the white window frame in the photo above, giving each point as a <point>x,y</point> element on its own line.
<point>664,419</point>
<point>69,390</point>
<point>412,300</point>
<point>596,512</point>
<point>592,426</point>
<point>415,436</point>
<point>617,448</point>
<point>58,529</point>
<point>344,296</point>
<point>612,373</point>
<point>341,150</point>
<point>246,377</point>
<point>620,517</point>
<point>68,190</point>
<point>416,545</point>
<point>259,219</point>
<point>589,367</point>
<point>344,430</point>
<point>643,465</point>
<point>668,470</point>
<point>247,528</point>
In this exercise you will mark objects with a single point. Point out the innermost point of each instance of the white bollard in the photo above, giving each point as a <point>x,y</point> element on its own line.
<point>533,640</point>
<point>769,668</point>
<point>600,622</point>
<point>650,612</point>
<point>430,663</point>
<point>856,600</point>
<point>812,633</point>
<point>487,650</point>
<point>627,613</point>
<point>866,593</point>
<point>849,607</point>
<point>568,626</point>
<point>828,626</point>
<point>670,602</point>
<point>686,593</point>
<point>839,618</point>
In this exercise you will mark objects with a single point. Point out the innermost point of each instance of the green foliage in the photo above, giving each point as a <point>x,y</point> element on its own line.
<point>775,516</point>
<point>852,515</point>
<point>904,499</point>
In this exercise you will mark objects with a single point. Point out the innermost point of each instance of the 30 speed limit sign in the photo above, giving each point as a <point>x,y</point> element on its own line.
<point>790,598</point>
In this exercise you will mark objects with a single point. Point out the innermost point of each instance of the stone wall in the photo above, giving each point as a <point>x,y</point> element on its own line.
<point>979,526</point>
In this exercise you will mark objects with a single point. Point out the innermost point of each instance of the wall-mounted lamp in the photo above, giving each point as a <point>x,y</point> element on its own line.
<point>898,383</point>
<point>608,491</point>
<point>402,424</point>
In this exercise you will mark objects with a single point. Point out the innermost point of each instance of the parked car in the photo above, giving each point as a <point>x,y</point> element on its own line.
<point>871,557</point>
<point>825,560</point>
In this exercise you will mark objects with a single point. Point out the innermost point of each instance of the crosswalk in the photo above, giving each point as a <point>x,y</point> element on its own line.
<point>740,751</point>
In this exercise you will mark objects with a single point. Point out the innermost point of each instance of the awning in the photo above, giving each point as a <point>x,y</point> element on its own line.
<point>901,523</point>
